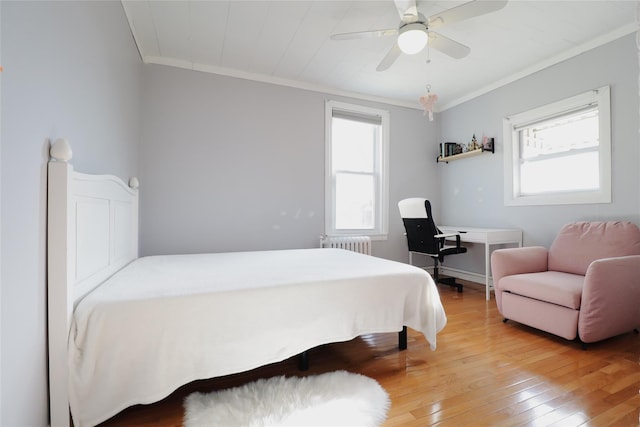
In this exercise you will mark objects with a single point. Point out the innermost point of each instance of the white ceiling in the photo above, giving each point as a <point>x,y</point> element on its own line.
<point>287,42</point>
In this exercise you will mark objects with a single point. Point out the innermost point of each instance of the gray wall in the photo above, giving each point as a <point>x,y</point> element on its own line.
<point>230,164</point>
<point>71,69</point>
<point>472,189</point>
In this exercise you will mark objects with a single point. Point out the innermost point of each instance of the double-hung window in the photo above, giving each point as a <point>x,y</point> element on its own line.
<point>560,153</point>
<point>356,181</point>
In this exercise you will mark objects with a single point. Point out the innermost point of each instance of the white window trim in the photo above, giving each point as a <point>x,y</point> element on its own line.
<point>381,229</point>
<point>601,96</point>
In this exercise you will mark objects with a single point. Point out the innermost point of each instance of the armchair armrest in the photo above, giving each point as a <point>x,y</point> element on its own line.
<point>506,262</point>
<point>610,298</point>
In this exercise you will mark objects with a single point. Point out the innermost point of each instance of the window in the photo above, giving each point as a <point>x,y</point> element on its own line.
<point>356,170</point>
<point>560,153</point>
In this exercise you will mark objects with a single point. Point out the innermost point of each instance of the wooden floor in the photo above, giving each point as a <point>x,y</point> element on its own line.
<point>483,372</point>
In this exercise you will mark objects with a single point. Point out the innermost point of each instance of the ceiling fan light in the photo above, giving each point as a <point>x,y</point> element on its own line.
<point>412,38</point>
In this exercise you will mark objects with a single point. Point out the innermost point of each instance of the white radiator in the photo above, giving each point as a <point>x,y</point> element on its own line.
<point>360,244</point>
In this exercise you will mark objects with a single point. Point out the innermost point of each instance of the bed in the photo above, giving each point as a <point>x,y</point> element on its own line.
<point>125,330</point>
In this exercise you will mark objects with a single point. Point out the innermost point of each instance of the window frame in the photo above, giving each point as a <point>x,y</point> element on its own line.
<point>511,125</point>
<point>381,173</point>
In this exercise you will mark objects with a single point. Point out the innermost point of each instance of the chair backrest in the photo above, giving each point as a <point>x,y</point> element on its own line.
<point>419,225</point>
<point>578,244</point>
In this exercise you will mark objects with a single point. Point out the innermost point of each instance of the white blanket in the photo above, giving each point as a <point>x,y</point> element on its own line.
<point>164,321</point>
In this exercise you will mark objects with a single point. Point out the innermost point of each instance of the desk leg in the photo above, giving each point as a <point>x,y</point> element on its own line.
<point>487,263</point>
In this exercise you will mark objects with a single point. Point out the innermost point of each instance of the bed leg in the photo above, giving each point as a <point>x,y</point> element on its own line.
<point>402,338</point>
<point>303,361</point>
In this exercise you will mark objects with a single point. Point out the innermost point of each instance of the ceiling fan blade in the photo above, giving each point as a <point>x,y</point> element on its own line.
<point>447,46</point>
<point>465,11</point>
<point>408,10</point>
<point>364,34</point>
<point>389,58</point>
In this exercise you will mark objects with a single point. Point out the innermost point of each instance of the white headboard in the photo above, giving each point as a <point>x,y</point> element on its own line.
<point>92,232</point>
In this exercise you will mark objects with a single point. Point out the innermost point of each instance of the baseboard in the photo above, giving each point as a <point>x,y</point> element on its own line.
<point>465,275</point>
<point>460,274</point>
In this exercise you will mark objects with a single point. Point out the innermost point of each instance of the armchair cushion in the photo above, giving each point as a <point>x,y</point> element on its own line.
<point>555,287</point>
<point>579,244</point>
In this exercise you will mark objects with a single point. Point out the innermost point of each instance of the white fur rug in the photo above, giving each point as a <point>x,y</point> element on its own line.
<point>334,399</point>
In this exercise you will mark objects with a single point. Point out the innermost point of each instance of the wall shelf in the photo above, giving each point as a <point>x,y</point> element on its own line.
<point>464,155</point>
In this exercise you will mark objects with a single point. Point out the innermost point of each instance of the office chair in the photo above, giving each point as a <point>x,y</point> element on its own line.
<point>424,237</point>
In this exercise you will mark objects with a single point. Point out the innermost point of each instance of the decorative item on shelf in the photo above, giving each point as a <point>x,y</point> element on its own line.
<point>450,149</point>
<point>474,143</point>
<point>488,144</point>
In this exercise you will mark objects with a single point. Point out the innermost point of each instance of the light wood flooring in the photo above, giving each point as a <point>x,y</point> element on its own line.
<point>483,373</point>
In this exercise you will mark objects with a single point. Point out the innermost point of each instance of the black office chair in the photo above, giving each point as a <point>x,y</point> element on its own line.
<point>424,237</point>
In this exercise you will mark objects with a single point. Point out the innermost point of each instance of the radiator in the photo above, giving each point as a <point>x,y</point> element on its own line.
<point>361,244</point>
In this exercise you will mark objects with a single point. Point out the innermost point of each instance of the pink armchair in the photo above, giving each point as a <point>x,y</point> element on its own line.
<point>586,286</point>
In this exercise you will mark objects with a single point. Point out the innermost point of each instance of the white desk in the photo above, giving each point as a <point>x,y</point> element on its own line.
<point>488,237</point>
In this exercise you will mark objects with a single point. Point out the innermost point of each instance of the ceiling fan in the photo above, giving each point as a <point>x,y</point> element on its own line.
<point>416,31</point>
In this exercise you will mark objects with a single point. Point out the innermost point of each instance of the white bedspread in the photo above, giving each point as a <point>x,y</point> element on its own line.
<point>164,321</point>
